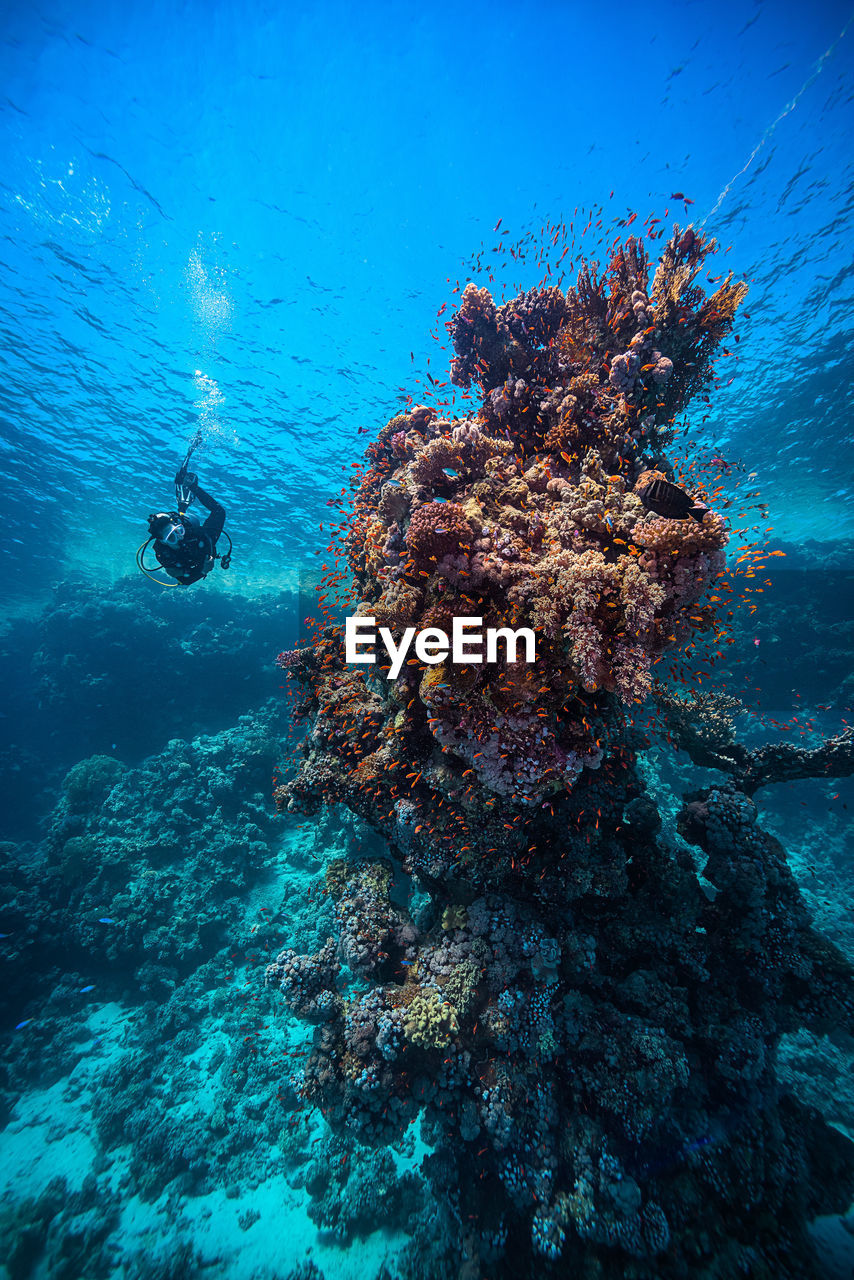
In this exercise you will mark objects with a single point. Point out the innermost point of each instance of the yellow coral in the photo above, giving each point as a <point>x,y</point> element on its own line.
<point>454,917</point>
<point>430,1021</point>
<point>718,311</point>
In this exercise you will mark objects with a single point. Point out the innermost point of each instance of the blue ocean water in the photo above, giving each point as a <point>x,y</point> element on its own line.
<point>242,221</point>
<point>246,218</point>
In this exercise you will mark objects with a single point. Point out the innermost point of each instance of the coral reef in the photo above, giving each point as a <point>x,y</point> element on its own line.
<point>120,672</point>
<point>349,1198</point>
<point>524,515</point>
<point>785,762</point>
<point>584,1011</point>
<point>66,1228</point>
<point>116,874</point>
<point>136,1055</point>
<point>701,724</point>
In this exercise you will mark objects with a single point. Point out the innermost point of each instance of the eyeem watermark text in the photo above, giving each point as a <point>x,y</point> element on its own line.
<point>466,643</point>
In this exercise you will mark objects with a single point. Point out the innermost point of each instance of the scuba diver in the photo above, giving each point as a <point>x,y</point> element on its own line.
<point>184,547</point>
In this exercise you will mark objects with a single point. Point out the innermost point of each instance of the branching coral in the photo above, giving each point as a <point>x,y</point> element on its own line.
<point>701,723</point>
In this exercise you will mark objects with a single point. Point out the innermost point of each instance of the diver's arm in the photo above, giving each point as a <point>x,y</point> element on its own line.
<point>216,519</point>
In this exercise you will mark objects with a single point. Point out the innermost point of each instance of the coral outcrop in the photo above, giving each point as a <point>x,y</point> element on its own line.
<point>586,1023</point>
<point>524,515</point>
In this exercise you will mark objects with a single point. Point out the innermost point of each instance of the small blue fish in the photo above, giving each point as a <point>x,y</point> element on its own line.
<point>25,1023</point>
<point>450,472</point>
<point>91,987</point>
<point>106,920</point>
<point>440,499</point>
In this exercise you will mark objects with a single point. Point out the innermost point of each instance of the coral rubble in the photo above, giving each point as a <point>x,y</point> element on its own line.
<point>586,1026</point>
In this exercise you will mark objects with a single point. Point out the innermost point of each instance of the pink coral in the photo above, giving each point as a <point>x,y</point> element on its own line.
<point>438,529</point>
<point>290,658</point>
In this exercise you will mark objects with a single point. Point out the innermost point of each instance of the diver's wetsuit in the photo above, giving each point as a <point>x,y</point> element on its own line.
<point>194,557</point>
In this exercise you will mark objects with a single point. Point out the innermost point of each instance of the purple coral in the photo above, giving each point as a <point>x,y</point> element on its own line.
<point>307,982</point>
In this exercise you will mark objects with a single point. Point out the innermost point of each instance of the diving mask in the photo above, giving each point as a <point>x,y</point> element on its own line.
<point>173,536</point>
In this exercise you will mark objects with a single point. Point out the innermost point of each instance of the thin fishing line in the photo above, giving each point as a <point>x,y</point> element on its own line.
<point>787,110</point>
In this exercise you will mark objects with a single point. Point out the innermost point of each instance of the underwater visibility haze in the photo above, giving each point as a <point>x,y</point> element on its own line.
<point>412,960</point>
